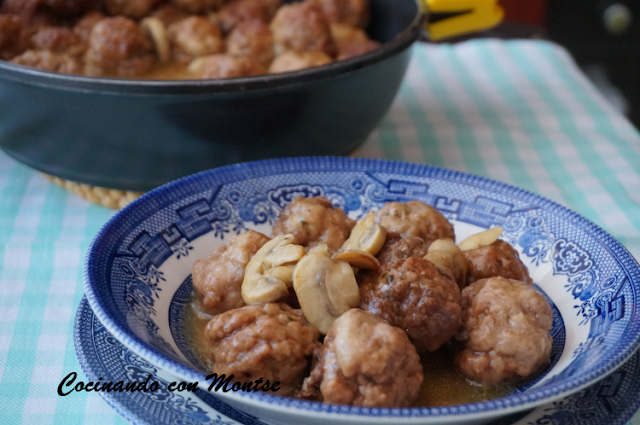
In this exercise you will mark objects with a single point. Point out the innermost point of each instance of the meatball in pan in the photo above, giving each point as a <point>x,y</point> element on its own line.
<point>364,361</point>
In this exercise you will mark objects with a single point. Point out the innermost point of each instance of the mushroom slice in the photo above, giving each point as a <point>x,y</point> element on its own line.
<point>326,288</point>
<point>358,258</point>
<point>158,33</point>
<point>269,273</point>
<point>444,253</point>
<point>481,239</point>
<point>366,236</point>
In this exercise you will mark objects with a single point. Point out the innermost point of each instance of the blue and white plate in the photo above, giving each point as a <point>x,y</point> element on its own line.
<point>611,401</point>
<point>138,269</point>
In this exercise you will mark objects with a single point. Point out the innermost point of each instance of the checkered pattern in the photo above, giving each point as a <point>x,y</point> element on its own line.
<point>517,112</point>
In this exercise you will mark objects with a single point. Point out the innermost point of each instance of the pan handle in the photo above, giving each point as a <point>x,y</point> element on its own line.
<point>449,18</point>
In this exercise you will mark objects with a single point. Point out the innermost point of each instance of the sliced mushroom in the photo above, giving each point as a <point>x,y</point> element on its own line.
<point>358,258</point>
<point>481,239</point>
<point>326,288</point>
<point>366,236</point>
<point>269,273</point>
<point>444,253</point>
<point>158,33</point>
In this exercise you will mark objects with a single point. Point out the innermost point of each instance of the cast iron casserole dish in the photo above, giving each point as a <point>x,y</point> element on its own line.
<point>139,134</point>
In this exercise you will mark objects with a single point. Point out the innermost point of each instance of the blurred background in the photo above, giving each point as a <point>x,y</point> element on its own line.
<point>603,37</point>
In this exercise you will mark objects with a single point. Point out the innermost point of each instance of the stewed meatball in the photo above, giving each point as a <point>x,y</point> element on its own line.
<point>269,341</point>
<point>59,40</point>
<point>497,259</point>
<point>418,297</point>
<point>414,218</point>
<point>225,66</point>
<point>398,248</point>
<point>217,279</point>
<point>351,12</point>
<point>194,37</point>
<point>14,36</point>
<point>505,330</point>
<point>252,39</point>
<point>134,9</point>
<point>364,361</point>
<point>85,25</point>
<point>295,61</point>
<point>198,6</point>
<point>314,221</point>
<point>239,11</point>
<point>49,61</point>
<point>302,27</point>
<point>118,47</point>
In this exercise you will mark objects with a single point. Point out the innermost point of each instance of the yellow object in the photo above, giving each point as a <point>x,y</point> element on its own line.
<point>475,15</point>
<point>110,198</point>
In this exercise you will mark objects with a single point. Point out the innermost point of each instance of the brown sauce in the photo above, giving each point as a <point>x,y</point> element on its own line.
<point>443,385</point>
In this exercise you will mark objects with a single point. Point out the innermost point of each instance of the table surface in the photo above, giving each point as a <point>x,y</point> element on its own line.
<point>519,112</point>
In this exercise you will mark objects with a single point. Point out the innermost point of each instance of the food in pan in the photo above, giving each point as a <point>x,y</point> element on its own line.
<point>409,317</point>
<point>181,39</point>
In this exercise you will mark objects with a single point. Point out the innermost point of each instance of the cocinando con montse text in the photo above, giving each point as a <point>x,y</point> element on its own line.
<point>222,382</point>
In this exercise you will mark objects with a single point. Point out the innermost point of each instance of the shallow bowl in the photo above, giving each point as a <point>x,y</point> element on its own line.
<point>137,271</point>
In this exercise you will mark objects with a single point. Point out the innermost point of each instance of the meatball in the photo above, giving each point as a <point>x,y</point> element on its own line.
<point>505,330</point>
<point>168,14</point>
<point>85,25</point>
<point>397,248</point>
<point>118,47</point>
<point>134,9</point>
<point>418,297</point>
<point>59,40</point>
<point>217,279</point>
<point>314,221</point>
<point>414,218</point>
<point>295,61</point>
<point>239,11</point>
<point>364,361</point>
<point>198,6</point>
<point>302,27</point>
<point>194,37</point>
<point>269,341</point>
<point>49,61</point>
<point>225,66</point>
<point>252,39</point>
<point>23,8</point>
<point>497,259</point>
<point>351,12</point>
<point>14,36</point>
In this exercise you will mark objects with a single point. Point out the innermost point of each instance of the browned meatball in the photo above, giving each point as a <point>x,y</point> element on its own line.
<point>217,279</point>
<point>302,27</point>
<point>505,330</point>
<point>14,36</point>
<point>49,61</point>
<point>198,6</point>
<point>314,221</point>
<point>194,37</point>
<point>85,25</point>
<point>251,39</point>
<point>225,66</point>
<point>134,9</point>
<point>269,341</point>
<point>168,13</point>
<point>364,361</point>
<point>59,40</point>
<point>239,11</point>
<point>497,259</point>
<point>118,47</point>
<point>295,61</point>
<point>418,297</point>
<point>414,218</point>
<point>352,12</point>
<point>398,248</point>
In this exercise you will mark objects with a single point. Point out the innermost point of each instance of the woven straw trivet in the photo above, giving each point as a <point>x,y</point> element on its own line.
<point>110,198</point>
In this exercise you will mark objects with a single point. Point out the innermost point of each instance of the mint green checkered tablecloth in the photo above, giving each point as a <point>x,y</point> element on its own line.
<point>518,112</point>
